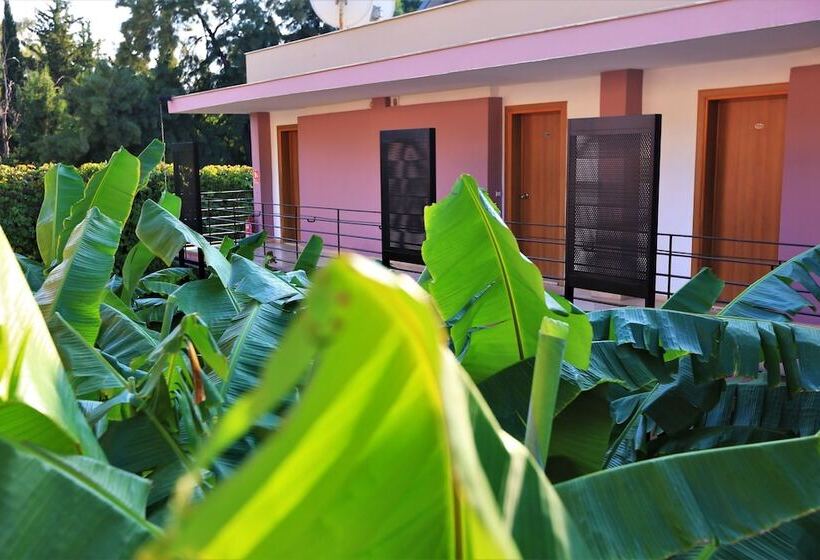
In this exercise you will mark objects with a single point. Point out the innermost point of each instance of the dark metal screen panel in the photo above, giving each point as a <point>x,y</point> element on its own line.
<point>408,183</point>
<point>612,204</point>
<point>185,157</point>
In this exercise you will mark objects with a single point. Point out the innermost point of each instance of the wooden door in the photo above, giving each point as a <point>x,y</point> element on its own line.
<point>536,183</point>
<point>746,152</point>
<point>289,181</point>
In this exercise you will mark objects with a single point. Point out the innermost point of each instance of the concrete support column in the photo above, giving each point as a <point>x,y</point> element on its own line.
<point>621,92</point>
<point>800,194</point>
<point>262,162</point>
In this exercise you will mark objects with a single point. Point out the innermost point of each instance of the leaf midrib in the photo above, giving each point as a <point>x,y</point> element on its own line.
<point>504,273</point>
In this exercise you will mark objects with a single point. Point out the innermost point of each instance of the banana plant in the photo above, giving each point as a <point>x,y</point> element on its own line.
<point>473,491</point>
<point>490,295</point>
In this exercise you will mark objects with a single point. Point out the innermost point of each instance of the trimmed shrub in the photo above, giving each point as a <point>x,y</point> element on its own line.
<point>21,195</point>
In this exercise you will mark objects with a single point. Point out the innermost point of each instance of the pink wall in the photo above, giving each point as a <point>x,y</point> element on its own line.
<point>261,160</point>
<point>800,199</point>
<point>339,163</point>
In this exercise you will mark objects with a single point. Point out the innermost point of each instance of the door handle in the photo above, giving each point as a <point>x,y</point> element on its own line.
<point>524,196</point>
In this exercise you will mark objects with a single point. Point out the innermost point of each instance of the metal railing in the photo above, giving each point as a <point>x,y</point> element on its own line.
<point>234,214</point>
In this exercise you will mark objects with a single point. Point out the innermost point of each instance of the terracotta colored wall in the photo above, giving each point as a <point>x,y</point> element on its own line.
<point>339,163</point>
<point>800,198</point>
<point>621,92</point>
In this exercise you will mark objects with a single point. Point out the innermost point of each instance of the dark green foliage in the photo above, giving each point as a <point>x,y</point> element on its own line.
<point>64,43</point>
<point>47,131</point>
<point>21,194</point>
<point>12,73</point>
<point>113,107</point>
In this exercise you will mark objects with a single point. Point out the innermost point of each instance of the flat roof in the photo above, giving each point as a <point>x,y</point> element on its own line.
<point>692,33</point>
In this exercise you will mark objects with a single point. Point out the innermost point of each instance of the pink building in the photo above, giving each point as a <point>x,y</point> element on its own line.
<point>737,83</point>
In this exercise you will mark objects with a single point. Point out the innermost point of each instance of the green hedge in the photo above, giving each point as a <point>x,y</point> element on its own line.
<point>21,194</point>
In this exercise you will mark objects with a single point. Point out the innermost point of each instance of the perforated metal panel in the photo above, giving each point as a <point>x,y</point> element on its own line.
<point>612,204</point>
<point>408,181</point>
<point>185,157</point>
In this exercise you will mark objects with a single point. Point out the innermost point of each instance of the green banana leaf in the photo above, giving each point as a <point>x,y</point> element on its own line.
<point>719,346</point>
<point>490,294</point>
<point>110,190</point>
<point>309,257</point>
<point>581,426</point>
<point>123,338</point>
<point>248,342</point>
<point>149,158</point>
<point>698,295</point>
<point>88,371</point>
<point>30,368</point>
<point>247,246</point>
<point>544,393</point>
<point>135,445</point>
<point>192,328</point>
<point>77,286</point>
<point>662,507</point>
<point>33,271</point>
<point>776,296</point>
<point>385,394</point>
<point>211,301</point>
<point>20,422</point>
<point>798,539</point>
<point>259,283</point>
<point>68,507</point>
<point>165,236</point>
<point>140,256</point>
<point>62,187</point>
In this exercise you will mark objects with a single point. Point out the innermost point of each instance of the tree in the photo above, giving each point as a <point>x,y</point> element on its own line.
<point>47,132</point>
<point>113,108</point>
<point>226,30</point>
<point>64,43</point>
<point>12,70</point>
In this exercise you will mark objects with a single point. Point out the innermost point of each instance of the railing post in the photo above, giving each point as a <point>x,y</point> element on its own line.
<point>669,269</point>
<point>338,233</point>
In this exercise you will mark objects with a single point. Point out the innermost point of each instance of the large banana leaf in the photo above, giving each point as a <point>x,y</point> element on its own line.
<point>149,158</point>
<point>88,371</point>
<point>77,286</point>
<point>385,395</point>
<point>140,256</point>
<point>165,236</point>
<point>544,393</point>
<point>719,346</point>
<point>210,300</point>
<point>259,283</point>
<point>309,257</point>
<point>776,296</point>
<point>62,187</point>
<point>30,368</point>
<point>698,295</point>
<point>20,422</point>
<point>658,508</point>
<point>123,338</point>
<point>491,295</point>
<point>110,190</point>
<point>249,341</point>
<point>798,540</point>
<point>68,507</point>
<point>33,271</point>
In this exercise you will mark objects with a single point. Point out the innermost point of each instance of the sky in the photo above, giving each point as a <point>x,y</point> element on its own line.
<point>103,15</point>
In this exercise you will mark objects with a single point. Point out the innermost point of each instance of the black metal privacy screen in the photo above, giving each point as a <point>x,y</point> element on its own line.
<point>185,157</point>
<point>612,205</point>
<point>408,183</point>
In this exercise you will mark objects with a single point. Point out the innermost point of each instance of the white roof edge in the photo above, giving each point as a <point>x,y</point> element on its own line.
<point>368,24</point>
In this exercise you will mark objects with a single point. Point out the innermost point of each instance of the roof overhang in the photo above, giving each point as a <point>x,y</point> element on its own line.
<point>691,34</point>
